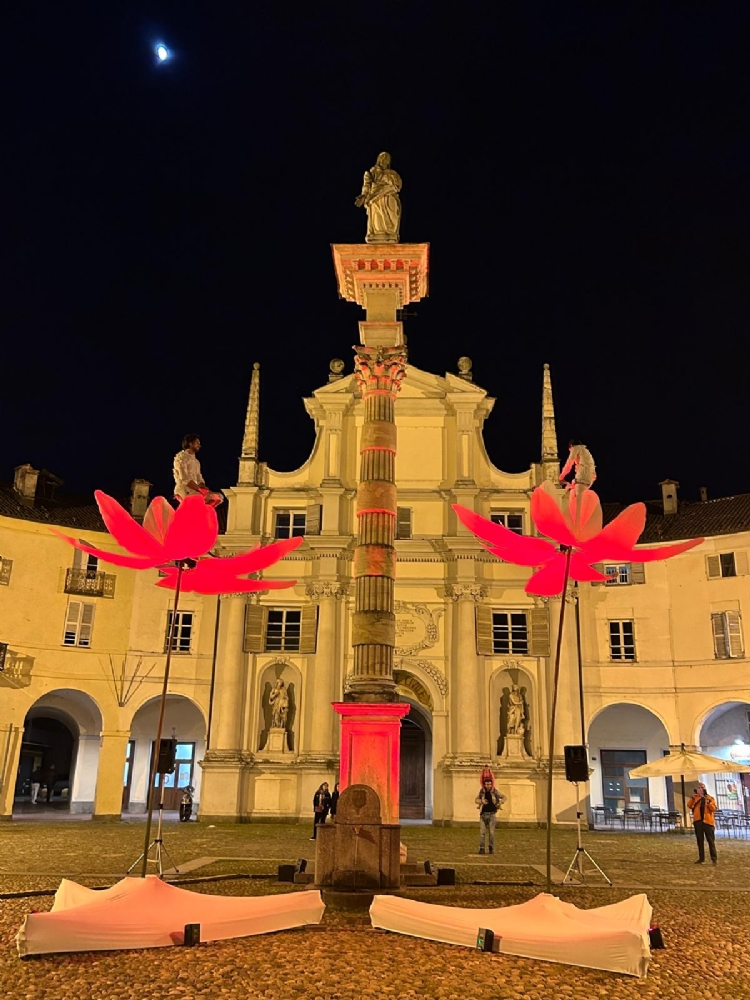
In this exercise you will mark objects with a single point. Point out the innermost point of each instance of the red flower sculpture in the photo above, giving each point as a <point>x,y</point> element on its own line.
<point>582,533</point>
<point>170,536</point>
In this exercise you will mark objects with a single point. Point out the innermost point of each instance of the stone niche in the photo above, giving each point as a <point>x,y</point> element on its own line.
<point>500,687</point>
<point>273,742</point>
<point>358,852</point>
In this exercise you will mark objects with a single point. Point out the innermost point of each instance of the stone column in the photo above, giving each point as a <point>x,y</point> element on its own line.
<point>108,796</point>
<point>221,786</point>
<point>323,679</point>
<point>379,371</point>
<point>11,734</point>
<point>469,678</point>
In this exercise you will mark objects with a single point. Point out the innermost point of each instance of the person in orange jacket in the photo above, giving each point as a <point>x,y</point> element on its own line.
<point>703,807</point>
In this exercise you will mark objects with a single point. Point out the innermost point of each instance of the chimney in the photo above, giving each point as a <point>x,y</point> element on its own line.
<point>703,493</point>
<point>24,483</point>
<point>669,489</point>
<point>139,490</point>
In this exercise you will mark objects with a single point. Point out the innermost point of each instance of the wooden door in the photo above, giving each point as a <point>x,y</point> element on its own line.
<point>127,778</point>
<point>411,800</point>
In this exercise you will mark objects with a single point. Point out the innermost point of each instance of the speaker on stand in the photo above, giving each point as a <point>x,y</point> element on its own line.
<point>576,771</point>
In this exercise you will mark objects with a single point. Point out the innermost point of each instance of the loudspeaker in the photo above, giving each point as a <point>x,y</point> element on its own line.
<point>286,873</point>
<point>576,764</point>
<point>166,759</point>
<point>655,937</point>
<point>485,938</point>
<point>446,876</point>
<point>192,935</point>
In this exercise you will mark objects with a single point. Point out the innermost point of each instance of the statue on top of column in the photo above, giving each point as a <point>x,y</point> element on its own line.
<point>380,198</point>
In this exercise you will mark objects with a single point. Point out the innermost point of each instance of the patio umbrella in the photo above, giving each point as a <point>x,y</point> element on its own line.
<point>690,762</point>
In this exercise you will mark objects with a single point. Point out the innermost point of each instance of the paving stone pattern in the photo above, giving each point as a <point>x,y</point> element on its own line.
<point>702,910</point>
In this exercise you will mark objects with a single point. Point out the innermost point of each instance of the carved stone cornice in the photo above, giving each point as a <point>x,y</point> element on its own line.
<point>326,588</point>
<point>227,758</point>
<point>466,591</point>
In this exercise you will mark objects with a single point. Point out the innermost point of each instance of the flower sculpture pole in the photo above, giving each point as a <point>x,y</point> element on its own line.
<point>580,541</point>
<point>178,543</point>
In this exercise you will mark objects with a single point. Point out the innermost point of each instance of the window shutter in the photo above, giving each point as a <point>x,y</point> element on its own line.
<point>72,618</point>
<point>87,625</point>
<point>713,567</point>
<point>721,650</point>
<point>734,633</point>
<point>599,567</point>
<point>484,630</point>
<point>538,619</point>
<point>637,573</point>
<point>6,565</point>
<point>255,628</point>
<point>314,518</point>
<point>308,628</point>
<point>740,564</point>
<point>403,522</point>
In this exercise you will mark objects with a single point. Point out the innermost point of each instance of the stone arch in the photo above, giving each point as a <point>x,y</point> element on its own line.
<point>187,719</point>
<point>500,686</point>
<point>724,731</point>
<point>62,736</point>
<point>416,799</point>
<point>283,669</point>
<point>628,734</point>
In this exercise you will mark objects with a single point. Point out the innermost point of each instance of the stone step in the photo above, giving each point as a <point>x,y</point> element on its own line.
<point>304,878</point>
<point>419,879</point>
<point>411,868</point>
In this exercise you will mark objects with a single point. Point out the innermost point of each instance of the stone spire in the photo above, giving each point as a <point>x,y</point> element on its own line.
<point>249,458</point>
<point>550,455</point>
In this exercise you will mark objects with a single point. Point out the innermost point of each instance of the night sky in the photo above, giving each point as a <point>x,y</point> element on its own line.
<point>580,171</point>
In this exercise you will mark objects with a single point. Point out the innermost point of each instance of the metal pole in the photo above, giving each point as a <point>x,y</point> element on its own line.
<point>580,664</point>
<point>213,673</point>
<point>162,706</point>
<point>553,711</point>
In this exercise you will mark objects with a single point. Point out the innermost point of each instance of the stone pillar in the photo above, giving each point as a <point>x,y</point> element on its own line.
<point>469,683</point>
<point>108,796</point>
<point>323,680</point>
<point>224,761</point>
<point>11,735</point>
<point>371,752</point>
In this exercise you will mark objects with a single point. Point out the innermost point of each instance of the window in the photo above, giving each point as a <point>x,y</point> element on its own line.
<point>79,624</point>
<point>6,565</point>
<point>617,574</point>
<point>403,522</point>
<point>184,760</point>
<point>620,791</point>
<point>513,521</point>
<point>510,632</point>
<point>289,523</point>
<point>727,632</point>
<point>621,640</point>
<point>283,629</point>
<point>726,564</point>
<point>183,632</point>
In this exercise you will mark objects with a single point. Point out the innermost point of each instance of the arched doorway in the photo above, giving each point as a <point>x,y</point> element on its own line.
<point>622,737</point>
<point>725,733</point>
<point>415,789</point>
<point>60,750</point>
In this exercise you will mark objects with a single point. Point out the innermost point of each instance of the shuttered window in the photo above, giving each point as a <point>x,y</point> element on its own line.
<point>403,522</point>
<point>512,520</point>
<point>726,564</point>
<point>183,632</point>
<point>523,633</point>
<point>620,574</point>
<point>6,565</point>
<point>255,628</point>
<point>79,624</point>
<point>313,519</point>
<point>727,633</point>
<point>289,523</point>
<point>269,630</point>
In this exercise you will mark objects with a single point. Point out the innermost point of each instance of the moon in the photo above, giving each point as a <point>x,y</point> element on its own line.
<point>162,52</point>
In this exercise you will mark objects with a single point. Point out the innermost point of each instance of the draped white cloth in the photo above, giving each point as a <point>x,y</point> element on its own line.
<point>149,913</point>
<point>614,938</point>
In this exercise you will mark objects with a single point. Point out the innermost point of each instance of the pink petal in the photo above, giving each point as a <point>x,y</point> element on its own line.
<point>205,580</point>
<point>581,571</point>
<point>258,558</point>
<point>158,518</point>
<point>131,562</point>
<point>662,552</point>
<point>505,544</point>
<point>548,517</point>
<point>125,531</point>
<point>590,521</point>
<point>548,581</point>
<point>618,538</point>
<point>193,530</point>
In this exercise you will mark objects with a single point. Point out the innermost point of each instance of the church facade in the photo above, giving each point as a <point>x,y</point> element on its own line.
<point>662,657</point>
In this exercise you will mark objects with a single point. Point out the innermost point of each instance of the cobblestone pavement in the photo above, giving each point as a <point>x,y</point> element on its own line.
<point>701,909</point>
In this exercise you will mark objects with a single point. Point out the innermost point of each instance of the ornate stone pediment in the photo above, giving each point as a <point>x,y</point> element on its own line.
<point>416,627</point>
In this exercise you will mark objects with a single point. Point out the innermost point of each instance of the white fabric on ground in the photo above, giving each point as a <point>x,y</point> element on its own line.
<point>614,938</point>
<point>149,913</point>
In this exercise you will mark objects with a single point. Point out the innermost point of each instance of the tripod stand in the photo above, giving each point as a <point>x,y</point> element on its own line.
<point>581,852</point>
<point>157,843</point>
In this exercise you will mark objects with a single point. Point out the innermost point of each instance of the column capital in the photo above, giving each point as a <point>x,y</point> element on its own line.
<point>325,588</point>
<point>380,368</point>
<point>466,592</point>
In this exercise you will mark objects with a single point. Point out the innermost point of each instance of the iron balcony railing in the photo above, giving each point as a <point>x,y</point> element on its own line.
<point>87,583</point>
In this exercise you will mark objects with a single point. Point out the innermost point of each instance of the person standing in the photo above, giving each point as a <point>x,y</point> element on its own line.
<point>334,801</point>
<point>488,802</point>
<point>703,807</point>
<point>36,782</point>
<point>188,479</point>
<point>49,778</point>
<point>321,806</point>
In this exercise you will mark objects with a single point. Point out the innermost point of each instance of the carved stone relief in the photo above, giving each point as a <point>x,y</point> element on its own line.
<point>416,627</point>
